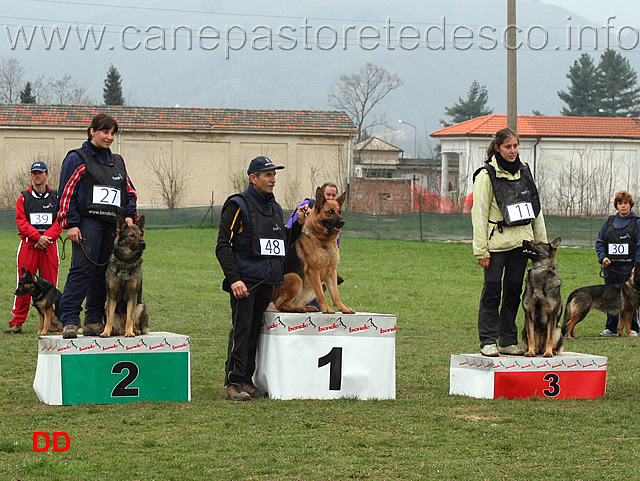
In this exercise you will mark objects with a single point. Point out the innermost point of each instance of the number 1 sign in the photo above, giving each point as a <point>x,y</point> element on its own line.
<point>327,356</point>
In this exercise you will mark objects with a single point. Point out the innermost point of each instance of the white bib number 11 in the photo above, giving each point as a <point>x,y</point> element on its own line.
<point>521,211</point>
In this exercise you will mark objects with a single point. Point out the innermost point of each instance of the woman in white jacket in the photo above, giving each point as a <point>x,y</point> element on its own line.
<point>506,211</point>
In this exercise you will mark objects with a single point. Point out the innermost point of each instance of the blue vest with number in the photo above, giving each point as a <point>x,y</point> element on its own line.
<point>40,209</point>
<point>259,232</point>
<point>621,243</point>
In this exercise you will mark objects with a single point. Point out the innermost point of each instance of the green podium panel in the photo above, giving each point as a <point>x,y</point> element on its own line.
<point>92,370</point>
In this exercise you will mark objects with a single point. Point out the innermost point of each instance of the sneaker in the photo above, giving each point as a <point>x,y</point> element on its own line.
<point>70,332</point>
<point>608,333</point>
<point>490,350</point>
<point>254,391</point>
<point>236,393</point>
<point>512,350</point>
<point>634,333</point>
<point>93,329</point>
<point>14,329</point>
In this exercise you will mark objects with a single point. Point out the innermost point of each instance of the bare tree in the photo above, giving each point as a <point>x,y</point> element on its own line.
<point>169,178</point>
<point>357,94</point>
<point>11,73</point>
<point>12,184</point>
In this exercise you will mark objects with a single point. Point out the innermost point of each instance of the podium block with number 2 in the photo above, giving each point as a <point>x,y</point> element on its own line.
<point>327,356</point>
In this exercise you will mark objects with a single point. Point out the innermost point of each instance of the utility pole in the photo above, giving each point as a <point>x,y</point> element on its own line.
<point>512,68</point>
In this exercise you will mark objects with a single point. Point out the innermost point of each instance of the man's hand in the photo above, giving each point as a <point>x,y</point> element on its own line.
<point>606,262</point>
<point>485,262</point>
<point>44,242</point>
<point>239,290</point>
<point>75,235</point>
<point>303,212</point>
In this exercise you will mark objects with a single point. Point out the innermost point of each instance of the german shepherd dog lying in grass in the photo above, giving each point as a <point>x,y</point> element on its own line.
<point>616,299</point>
<point>126,313</point>
<point>313,260</point>
<point>541,301</point>
<point>45,297</point>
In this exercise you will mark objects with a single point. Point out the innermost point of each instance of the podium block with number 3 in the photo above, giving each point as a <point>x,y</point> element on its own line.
<point>327,356</point>
<point>569,375</point>
<point>93,370</point>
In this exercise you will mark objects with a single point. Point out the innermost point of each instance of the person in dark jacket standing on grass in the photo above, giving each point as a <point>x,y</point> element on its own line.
<point>252,244</point>
<point>618,249</point>
<point>94,190</point>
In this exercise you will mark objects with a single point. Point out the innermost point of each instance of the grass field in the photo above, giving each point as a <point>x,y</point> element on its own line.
<point>432,287</point>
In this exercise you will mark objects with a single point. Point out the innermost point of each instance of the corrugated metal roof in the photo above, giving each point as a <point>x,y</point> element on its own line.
<point>312,121</point>
<point>547,126</point>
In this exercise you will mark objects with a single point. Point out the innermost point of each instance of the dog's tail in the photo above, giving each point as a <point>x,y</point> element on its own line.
<point>567,315</point>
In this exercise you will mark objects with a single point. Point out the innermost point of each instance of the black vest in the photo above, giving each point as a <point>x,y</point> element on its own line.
<point>40,209</point>
<point>518,200</point>
<point>105,188</point>
<point>620,243</point>
<point>261,246</point>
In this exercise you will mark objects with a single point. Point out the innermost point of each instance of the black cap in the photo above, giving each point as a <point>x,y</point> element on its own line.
<point>262,163</point>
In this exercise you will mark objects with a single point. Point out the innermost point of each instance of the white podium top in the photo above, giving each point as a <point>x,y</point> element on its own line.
<point>565,361</point>
<point>152,342</point>
<point>360,324</point>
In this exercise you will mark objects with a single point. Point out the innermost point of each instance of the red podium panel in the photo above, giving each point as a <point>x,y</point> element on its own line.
<point>568,375</point>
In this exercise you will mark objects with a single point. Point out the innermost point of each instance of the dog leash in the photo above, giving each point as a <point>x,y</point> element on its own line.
<point>63,255</point>
<point>602,268</point>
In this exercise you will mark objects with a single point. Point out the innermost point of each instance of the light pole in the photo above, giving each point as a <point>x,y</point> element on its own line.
<point>415,138</point>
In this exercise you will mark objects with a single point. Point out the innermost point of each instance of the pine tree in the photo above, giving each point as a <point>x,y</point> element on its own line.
<point>112,92</point>
<point>619,84</point>
<point>26,96</point>
<point>585,90</point>
<point>474,106</point>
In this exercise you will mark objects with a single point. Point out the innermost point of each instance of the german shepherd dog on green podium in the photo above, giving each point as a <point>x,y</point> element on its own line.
<point>126,313</point>
<point>614,299</point>
<point>542,302</point>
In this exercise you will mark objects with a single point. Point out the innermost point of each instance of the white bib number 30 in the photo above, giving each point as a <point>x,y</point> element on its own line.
<point>618,249</point>
<point>103,194</point>
<point>521,211</point>
<point>272,247</point>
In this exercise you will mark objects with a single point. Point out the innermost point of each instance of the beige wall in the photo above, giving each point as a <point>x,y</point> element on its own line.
<point>206,160</point>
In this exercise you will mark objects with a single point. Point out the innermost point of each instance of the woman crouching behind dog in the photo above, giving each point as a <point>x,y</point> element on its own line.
<point>618,249</point>
<point>506,211</point>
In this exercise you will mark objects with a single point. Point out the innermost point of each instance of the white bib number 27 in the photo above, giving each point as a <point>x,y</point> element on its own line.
<point>272,247</point>
<point>103,194</point>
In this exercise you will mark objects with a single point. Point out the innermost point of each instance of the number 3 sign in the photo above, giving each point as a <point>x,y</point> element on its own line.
<point>327,356</point>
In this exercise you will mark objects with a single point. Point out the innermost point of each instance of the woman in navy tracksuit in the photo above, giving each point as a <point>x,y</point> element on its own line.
<point>94,190</point>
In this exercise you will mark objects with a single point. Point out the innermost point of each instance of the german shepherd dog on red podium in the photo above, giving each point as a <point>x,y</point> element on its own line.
<point>126,313</point>
<point>542,302</point>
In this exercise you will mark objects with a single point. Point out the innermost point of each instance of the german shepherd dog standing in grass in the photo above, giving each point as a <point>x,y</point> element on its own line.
<point>46,299</point>
<point>542,302</point>
<point>126,313</point>
<point>313,260</point>
<point>615,299</point>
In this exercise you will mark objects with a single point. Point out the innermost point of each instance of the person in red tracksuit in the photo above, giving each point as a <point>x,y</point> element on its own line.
<point>38,230</point>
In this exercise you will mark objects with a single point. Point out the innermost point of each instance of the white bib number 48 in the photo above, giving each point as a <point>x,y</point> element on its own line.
<point>272,247</point>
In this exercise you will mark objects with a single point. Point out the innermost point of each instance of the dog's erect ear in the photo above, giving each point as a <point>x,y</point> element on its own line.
<point>120,224</point>
<point>23,271</point>
<point>319,200</point>
<point>342,198</point>
<point>555,242</point>
<point>140,222</point>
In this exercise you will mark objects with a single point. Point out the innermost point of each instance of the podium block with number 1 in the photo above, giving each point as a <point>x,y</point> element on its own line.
<point>327,356</point>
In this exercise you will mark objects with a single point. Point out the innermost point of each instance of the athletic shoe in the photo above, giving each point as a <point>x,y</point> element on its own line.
<point>634,333</point>
<point>512,350</point>
<point>70,332</point>
<point>254,391</point>
<point>608,333</point>
<point>14,329</point>
<point>490,350</point>
<point>236,393</point>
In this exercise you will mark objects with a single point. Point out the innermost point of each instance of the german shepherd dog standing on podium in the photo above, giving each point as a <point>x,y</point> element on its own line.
<point>126,313</point>
<point>313,260</point>
<point>542,302</point>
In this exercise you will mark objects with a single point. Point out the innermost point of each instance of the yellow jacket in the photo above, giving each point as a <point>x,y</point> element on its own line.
<point>486,236</point>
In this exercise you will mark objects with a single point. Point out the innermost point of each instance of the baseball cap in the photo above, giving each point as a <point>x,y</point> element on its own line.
<point>261,163</point>
<point>39,166</point>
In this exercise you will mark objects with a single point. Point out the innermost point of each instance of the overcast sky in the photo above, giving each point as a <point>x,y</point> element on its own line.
<point>626,11</point>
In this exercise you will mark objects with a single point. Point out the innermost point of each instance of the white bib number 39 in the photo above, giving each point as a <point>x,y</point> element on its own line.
<point>521,211</point>
<point>40,218</point>
<point>272,247</point>
<point>103,194</point>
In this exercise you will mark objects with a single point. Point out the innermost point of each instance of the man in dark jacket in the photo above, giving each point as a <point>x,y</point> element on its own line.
<point>252,244</point>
